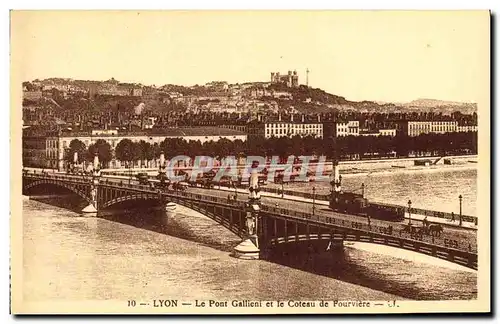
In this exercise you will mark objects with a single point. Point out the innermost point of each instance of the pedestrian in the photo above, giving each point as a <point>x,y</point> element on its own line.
<point>453,217</point>
<point>425,222</point>
<point>369,220</point>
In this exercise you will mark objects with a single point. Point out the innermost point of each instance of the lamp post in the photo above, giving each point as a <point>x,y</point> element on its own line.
<point>161,169</point>
<point>314,200</point>
<point>129,172</point>
<point>460,215</point>
<point>409,212</point>
<point>75,161</point>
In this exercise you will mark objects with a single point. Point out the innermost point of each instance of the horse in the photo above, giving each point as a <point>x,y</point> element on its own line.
<point>435,229</point>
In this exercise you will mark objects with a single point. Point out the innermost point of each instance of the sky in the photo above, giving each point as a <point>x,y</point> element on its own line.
<point>360,55</point>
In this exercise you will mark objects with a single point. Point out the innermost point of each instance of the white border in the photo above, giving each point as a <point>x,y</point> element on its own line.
<point>187,4</point>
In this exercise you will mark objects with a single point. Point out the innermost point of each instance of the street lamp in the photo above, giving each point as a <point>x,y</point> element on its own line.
<point>129,172</point>
<point>460,216</point>
<point>409,212</point>
<point>314,200</point>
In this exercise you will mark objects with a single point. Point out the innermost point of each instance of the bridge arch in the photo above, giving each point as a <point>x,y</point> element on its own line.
<point>61,184</point>
<point>197,207</point>
<point>443,253</point>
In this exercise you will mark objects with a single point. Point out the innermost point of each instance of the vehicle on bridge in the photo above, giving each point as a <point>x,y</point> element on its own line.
<point>143,178</point>
<point>180,186</point>
<point>356,204</point>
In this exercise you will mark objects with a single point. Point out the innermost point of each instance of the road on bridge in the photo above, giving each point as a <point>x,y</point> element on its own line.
<point>461,235</point>
<point>322,210</point>
<point>466,238</point>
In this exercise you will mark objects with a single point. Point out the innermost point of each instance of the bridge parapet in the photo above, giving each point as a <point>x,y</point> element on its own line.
<point>458,251</point>
<point>355,224</point>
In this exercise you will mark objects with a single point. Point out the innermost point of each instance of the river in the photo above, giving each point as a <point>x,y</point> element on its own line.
<point>135,256</point>
<point>430,189</point>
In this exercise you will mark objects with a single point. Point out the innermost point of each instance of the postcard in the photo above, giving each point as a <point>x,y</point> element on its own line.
<point>250,162</point>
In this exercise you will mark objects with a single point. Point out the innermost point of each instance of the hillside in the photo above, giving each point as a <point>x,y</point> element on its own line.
<point>440,106</point>
<point>303,99</point>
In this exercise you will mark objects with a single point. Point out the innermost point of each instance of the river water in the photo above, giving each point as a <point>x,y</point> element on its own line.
<point>136,255</point>
<point>436,189</point>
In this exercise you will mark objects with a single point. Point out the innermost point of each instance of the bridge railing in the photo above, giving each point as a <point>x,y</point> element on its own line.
<point>277,191</point>
<point>61,177</point>
<point>394,231</point>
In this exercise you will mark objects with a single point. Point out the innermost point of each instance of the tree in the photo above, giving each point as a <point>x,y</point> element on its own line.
<point>103,150</point>
<point>145,151</point>
<point>126,151</point>
<point>76,146</point>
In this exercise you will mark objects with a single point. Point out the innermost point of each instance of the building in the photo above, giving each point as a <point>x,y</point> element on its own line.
<point>49,150</point>
<point>291,79</point>
<point>346,128</point>
<point>415,128</point>
<point>388,132</point>
<point>466,128</point>
<point>239,128</point>
<point>285,128</point>
<point>32,95</point>
<point>380,132</point>
<point>34,151</point>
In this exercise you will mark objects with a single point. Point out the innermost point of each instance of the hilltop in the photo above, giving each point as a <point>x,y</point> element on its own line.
<point>111,95</point>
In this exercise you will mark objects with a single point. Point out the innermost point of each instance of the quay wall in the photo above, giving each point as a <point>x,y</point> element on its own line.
<point>370,165</point>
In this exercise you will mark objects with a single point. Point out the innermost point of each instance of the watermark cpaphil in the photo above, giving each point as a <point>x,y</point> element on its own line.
<point>202,164</point>
<point>228,168</point>
<point>299,167</point>
<point>172,165</point>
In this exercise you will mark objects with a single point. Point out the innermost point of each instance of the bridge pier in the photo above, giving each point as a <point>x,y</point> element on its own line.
<point>91,209</point>
<point>249,248</point>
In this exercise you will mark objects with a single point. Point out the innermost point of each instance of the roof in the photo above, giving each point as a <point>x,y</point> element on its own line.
<point>196,131</point>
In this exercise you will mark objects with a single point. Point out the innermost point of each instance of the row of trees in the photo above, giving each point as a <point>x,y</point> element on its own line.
<point>333,148</point>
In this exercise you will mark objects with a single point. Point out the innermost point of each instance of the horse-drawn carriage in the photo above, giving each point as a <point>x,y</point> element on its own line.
<point>425,229</point>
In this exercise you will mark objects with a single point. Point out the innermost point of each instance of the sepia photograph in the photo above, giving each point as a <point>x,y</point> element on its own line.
<point>250,162</point>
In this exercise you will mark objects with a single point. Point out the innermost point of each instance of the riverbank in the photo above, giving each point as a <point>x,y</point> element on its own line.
<point>447,162</point>
<point>391,169</point>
